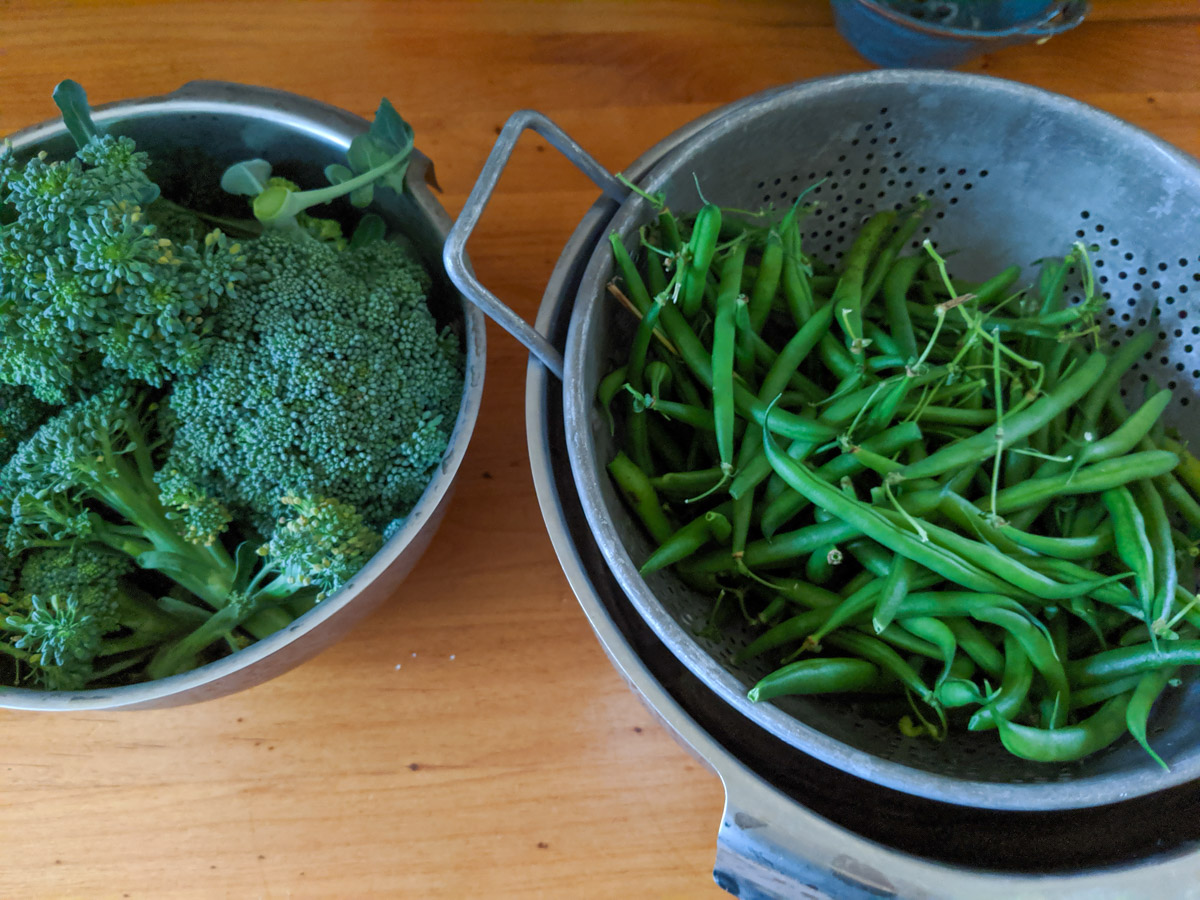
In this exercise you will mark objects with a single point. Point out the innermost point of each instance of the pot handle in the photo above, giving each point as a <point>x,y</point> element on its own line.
<point>1063,17</point>
<point>454,255</point>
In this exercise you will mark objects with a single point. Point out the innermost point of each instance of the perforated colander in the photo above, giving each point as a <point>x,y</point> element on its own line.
<point>1013,174</point>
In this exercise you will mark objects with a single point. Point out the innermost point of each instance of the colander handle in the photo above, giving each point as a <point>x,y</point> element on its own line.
<point>454,255</point>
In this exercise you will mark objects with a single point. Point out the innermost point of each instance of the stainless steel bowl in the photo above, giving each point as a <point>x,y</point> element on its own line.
<point>219,123</point>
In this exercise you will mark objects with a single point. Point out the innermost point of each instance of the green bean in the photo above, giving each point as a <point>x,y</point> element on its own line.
<point>903,640</point>
<point>783,508</point>
<point>818,569</point>
<point>684,485</point>
<point>609,387</point>
<point>743,506</point>
<point>1016,426</point>
<point>847,297</point>
<point>807,595</point>
<point>1067,743</point>
<point>1014,688</point>
<point>888,660</point>
<point>995,286</point>
<point>881,341</point>
<point>697,257</point>
<point>711,526</point>
<point>977,646</point>
<point>870,556</point>
<point>1040,651</point>
<point>816,676</point>
<point>887,255</point>
<point>895,290</point>
<point>1108,385</point>
<point>723,354</point>
<point>796,288</point>
<point>1122,661</point>
<point>1177,495</point>
<point>1098,693</point>
<point>794,353</point>
<point>895,588</point>
<point>635,288</point>
<point>1128,434</point>
<point>1162,550</point>
<point>1189,467</point>
<point>957,692</point>
<point>1012,571</point>
<point>1149,687</point>
<point>668,229</point>
<point>1132,543</point>
<point>766,283</point>
<point>781,550</point>
<point>797,628</point>
<point>935,632</point>
<point>1074,548</point>
<point>871,523</point>
<point>641,496</point>
<point>1096,478</point>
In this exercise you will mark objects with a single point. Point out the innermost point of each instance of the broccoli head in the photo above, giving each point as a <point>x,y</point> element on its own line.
<point>71,619</point>
<point>328,377</point>
<point>88,287</point>
<point>20,415</point>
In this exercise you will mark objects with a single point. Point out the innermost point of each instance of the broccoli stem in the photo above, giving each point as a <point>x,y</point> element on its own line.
<point>278,205</point>
<point>181,655</point>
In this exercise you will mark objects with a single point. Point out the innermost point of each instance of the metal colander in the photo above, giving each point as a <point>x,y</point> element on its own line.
<point>1013,174</point>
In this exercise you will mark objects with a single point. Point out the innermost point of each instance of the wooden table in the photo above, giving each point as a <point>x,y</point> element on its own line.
<point>470,739</point>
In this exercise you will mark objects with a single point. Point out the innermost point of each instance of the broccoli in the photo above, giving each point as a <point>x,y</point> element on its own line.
<point>89,289</point>
<point>168,394</point>
<point>315,548</point>
<point>98,454</point>
<point>72,620</point>
<point>327,377</point>
<point>20,415</point>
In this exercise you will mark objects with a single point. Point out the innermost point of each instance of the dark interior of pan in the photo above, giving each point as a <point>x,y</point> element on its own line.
<point>1013,174</point>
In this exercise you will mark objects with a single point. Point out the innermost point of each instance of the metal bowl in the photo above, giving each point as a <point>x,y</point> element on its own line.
<point>217,124</point>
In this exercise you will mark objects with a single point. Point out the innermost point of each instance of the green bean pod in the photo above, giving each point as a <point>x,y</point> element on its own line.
<point>711,526</point>
<point>1098,477</point>
<point>1123,661</point>
<point>847,297</point>
<point>984,444</point>
<point>816,676</point>
<point>1067,743</point>
<point>1132,543</point>
<point>1040,651</point>
<point>1014,689</point>
<point>698,257</point>
<point>766,283</point>
<point>723,342</point>
<point>1137,714</point>
<point>977,646</point>
<point>640,495</point>
<point>1128,434</point>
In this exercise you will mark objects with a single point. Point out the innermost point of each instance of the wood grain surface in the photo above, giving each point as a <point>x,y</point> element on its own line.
<point>470,739</point>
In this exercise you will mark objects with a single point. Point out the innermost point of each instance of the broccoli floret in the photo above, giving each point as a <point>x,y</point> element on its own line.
<point>315,548</point>
<point>95,455</point>
<point>72,620</point>
<point>327,377</point>
<point>88,284</point>
<point>20,415</point>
